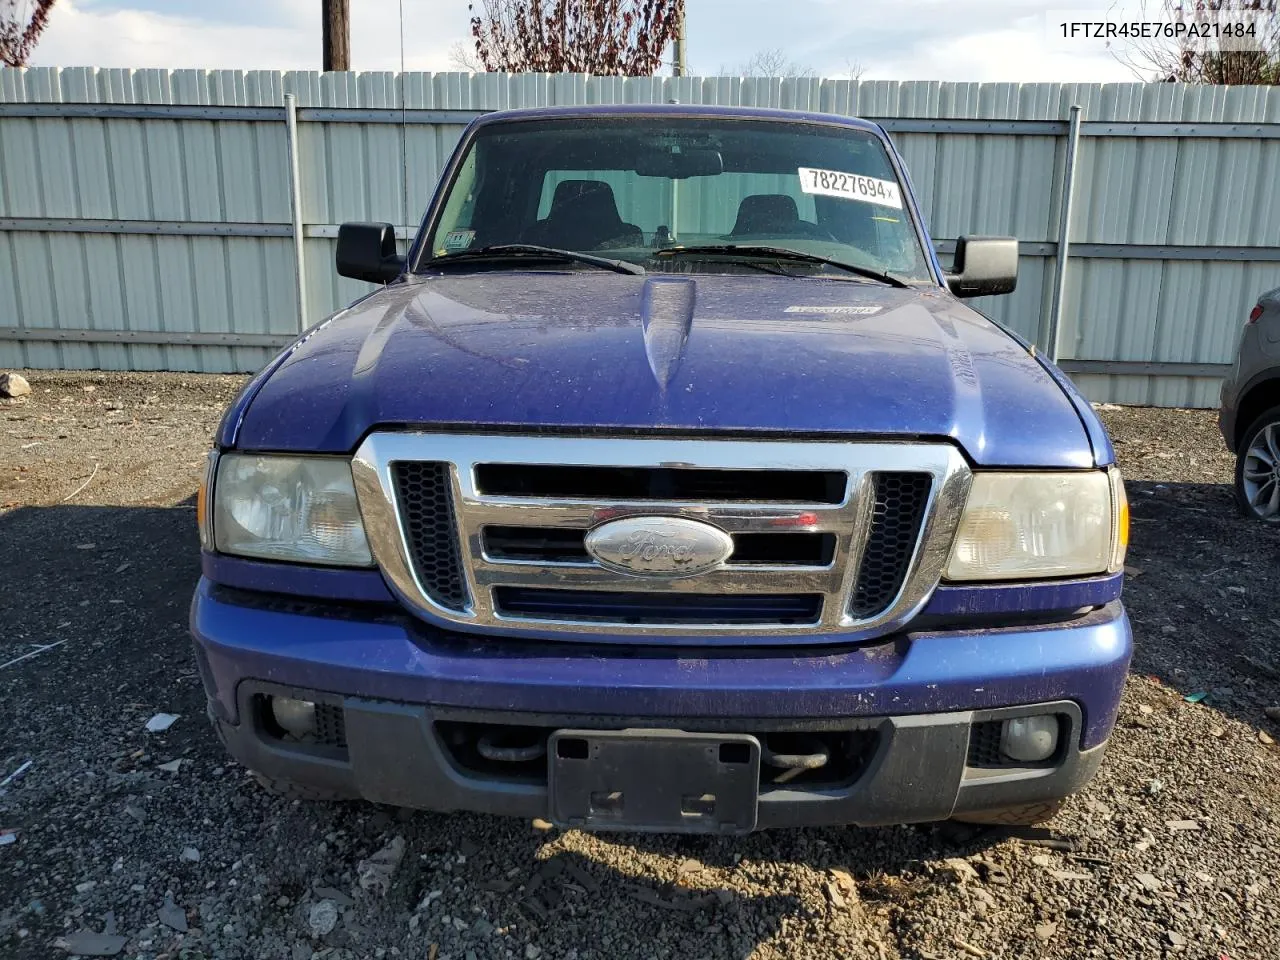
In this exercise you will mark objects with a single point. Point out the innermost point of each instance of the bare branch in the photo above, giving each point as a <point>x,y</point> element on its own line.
<point>463,56</point>
<point>773,62</point>
<point>19,33</point>
<point>603,37</point>
<point>1252,60</point>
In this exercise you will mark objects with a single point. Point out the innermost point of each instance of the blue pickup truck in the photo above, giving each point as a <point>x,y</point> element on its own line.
<point>666,484</point>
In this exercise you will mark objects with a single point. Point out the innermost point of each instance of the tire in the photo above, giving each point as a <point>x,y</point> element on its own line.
<point>292,790</point>
<point>1023,815</point>
<point>1265,428</point>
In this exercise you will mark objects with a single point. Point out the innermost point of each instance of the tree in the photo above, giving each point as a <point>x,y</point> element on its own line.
<point>21,23</point>
<point>463,57</point>
<point>1250,59</point>
<point>775,63</point>
<point>605,37</point>
<point>771,63</point>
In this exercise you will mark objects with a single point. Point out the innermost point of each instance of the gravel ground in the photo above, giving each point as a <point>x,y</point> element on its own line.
<point>1172,851</point>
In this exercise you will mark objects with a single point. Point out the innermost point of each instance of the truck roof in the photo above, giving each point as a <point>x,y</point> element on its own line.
<point>600,110</point>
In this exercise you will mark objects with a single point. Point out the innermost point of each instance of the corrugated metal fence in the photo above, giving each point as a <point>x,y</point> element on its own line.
<point>146,217</point>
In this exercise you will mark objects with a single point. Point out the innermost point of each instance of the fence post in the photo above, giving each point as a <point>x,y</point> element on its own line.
<point>295,199</point>
<point>1064,233</point>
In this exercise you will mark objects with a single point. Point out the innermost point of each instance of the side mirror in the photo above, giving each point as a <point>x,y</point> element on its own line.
<point>984,266</point>
<point>367,251</point>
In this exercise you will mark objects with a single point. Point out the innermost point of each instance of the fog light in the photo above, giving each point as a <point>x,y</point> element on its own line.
<point>297,717</point>
<point>1029,739</point>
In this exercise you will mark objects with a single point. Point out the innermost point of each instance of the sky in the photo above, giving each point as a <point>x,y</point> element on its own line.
<point>969,40</point>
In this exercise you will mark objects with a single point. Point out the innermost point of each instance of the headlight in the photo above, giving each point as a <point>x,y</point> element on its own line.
<point>1018,526</point>
<point>302,509</point>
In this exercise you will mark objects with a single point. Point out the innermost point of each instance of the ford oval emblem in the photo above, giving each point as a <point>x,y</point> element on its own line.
<point>668,547</point>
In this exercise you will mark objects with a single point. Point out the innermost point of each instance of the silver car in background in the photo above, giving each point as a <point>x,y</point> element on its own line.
<point>1250,412</point>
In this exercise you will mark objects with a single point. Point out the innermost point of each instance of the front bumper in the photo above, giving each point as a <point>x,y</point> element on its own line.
<point>917,695</point>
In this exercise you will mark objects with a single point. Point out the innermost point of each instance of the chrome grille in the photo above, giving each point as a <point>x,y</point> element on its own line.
<point>690,483</point>
<point>897,511</point>
<point>657,606</point>
<point>554,545</point>
<point>425,495</point>
<point>485,532</point>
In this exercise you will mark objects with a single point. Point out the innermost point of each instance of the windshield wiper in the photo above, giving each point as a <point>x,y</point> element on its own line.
<point>535,252</point>
<point>780,253</point>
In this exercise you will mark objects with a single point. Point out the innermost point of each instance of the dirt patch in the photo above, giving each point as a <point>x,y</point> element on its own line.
<point>108,438</point>
<point>1172,851</point>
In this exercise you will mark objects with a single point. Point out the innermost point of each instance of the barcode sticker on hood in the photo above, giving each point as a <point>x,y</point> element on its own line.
<point>850,186</point>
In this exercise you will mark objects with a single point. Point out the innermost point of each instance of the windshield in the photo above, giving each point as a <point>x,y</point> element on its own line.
<point>627,188</point>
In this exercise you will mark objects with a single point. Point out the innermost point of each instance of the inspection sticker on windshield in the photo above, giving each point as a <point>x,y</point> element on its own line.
<point>850,186</point>
<point>458,239</point>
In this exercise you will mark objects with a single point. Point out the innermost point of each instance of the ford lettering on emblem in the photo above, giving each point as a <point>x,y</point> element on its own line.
<point>667,547</point>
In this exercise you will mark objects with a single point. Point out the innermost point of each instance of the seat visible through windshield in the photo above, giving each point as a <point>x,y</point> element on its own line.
<point>625,188</point>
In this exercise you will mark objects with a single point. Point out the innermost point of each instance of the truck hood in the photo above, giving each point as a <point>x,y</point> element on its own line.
<point>606,352</point>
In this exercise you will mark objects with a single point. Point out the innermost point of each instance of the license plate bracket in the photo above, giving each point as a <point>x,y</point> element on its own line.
<point>665,781</point>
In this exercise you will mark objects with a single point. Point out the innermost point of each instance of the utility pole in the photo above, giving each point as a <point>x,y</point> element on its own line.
<point>336,34</point>
<point>678,64</point>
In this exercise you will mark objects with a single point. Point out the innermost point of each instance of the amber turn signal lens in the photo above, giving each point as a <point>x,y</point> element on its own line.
<point>202,498</point>
<point>203,520</point>
<point>1120,531</point>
